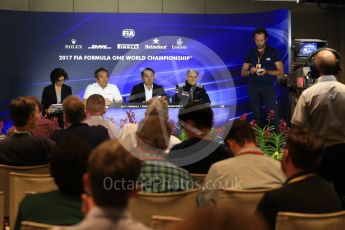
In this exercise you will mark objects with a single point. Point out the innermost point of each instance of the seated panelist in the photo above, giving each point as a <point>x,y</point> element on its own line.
<point>145,91</point>
<point>190,90</point>
<point>56,92</point>
<point>110,92</point>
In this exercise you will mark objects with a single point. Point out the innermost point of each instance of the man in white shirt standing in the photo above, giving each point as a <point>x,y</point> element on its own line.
<point>321,107</point>
<point>110,92</point>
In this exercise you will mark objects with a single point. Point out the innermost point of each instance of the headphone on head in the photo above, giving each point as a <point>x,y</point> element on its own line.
<point>314,71</point>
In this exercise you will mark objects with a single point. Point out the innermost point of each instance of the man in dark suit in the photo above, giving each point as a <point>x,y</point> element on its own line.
<point>74,115</point>
<point>147,89</point>
<point>304,191</point>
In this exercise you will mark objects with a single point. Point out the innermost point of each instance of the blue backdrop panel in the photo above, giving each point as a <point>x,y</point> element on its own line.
<point>34,43</point>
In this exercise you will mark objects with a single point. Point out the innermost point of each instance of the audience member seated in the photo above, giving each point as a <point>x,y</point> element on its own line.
<point>109,183</point>
<point>221,218</point>
<point>157,174</point>
<point>145,91</point>
<point>22,148</point>
<point>249,168</point>
<point>43,127</point>
<point>110,92</point>
<point>74,115</point>
<point>155,107</point>
<point>67,162</point>
<point>304,191</point>
<point>199,152</point>
<point>95,110</point>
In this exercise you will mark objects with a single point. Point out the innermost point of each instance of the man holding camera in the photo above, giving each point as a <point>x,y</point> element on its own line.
<point>261,66</point>
<point>321,107</point>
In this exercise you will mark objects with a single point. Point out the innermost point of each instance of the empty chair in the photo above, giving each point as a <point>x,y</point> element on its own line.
<point>293,221</point>
<point>246,199</point>
<point>146,205</point>
<point>4,178</point>
<point>160,222</point>
<point>20,184</point>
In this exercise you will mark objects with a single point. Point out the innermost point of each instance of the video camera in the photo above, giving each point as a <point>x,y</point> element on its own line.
<point>300,78</point>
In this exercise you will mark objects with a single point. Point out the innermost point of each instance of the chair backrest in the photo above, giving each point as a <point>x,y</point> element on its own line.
<point>161,222</point>
<point>247,199</point>
<point>5,175</point>
<point>20,184</point>
<point>29,225</point>
<point>292,221</point>
<point>198,178</point>
<point>178,204</point>
<point>1,210</point>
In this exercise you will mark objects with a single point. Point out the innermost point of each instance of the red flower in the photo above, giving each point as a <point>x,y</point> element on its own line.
<point>283,127</point>
<point>252,123</point>
<point>131,116</point>
<point>267,133</point>
<point>243,117</point>
<point>270,115</point>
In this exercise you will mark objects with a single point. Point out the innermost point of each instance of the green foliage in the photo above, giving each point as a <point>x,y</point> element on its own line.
<point>182,136</point>
<point>270,142</point>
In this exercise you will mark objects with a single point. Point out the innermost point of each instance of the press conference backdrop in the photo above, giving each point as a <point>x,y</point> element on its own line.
<point>34,43</point>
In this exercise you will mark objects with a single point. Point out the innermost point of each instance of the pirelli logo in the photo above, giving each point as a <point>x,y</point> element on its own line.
<point>127,46</point>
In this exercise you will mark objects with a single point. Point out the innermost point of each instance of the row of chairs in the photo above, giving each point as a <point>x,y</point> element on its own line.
<point>145,207</point>
<point>142,207</point>
<point>7,194</point>
<point>157,223</point>
<point>285,221</point>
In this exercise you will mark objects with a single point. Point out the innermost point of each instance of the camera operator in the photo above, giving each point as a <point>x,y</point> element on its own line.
<point>321,107</point>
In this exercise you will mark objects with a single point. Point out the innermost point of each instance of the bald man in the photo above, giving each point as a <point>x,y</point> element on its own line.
<point>321,107</point>
<point>190,90</point>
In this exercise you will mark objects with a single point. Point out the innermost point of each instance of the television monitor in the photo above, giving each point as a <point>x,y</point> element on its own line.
<point>307,48</point>
<point>304,47</point>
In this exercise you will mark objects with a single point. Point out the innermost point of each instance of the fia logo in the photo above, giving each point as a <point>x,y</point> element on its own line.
<point>128,33</point>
